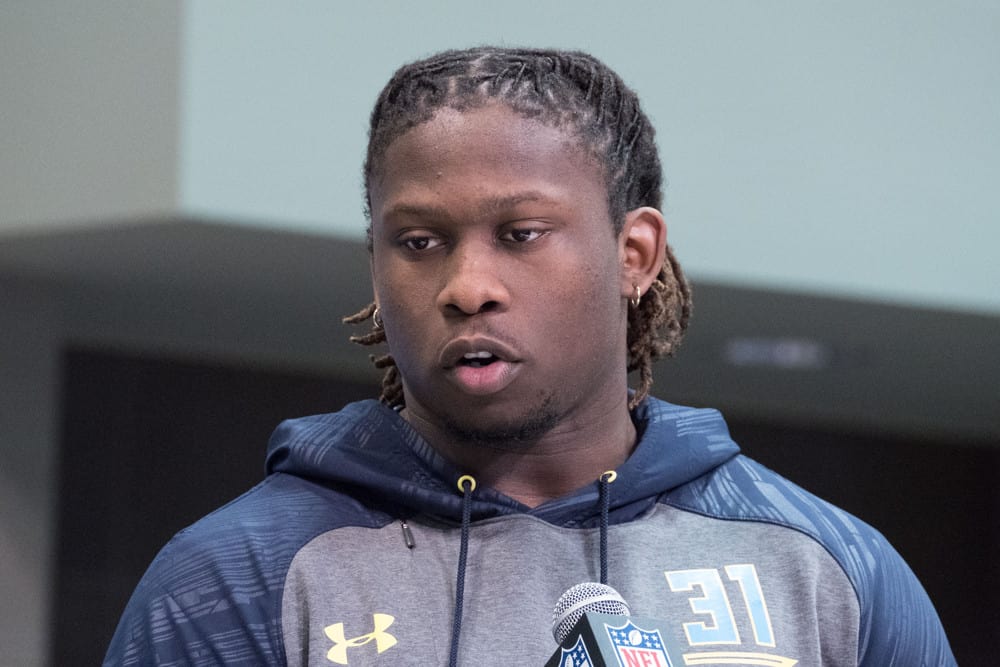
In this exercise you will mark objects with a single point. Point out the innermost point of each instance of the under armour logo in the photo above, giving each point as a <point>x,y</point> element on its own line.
<point>383,640</point>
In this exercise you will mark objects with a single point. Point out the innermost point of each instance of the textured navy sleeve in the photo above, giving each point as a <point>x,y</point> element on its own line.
<point>160,629</point>
<point>209,598</point>
<point>213,594</point>
<point>898,626</point>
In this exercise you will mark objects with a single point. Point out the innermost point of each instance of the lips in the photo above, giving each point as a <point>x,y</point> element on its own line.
<point>479,365</point>
<point>465,350</point>
<point>477,359</point>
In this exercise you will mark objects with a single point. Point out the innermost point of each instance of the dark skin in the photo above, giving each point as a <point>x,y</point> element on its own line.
<point>504,292</point>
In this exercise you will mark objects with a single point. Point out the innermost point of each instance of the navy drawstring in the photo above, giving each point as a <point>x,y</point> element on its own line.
<point>605,480</point>
<point>466,484</point>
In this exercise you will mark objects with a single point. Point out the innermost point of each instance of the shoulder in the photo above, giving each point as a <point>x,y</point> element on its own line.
<point>743,490</point>
<point>897,617</point>
<point>274,518</point>
<point>217,585</point>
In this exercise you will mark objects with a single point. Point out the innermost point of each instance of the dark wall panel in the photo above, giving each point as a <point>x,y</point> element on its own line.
<point>149,446</point>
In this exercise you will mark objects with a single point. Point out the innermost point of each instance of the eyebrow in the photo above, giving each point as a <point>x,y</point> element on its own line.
<point>510,201</point>
<point>487,205</point>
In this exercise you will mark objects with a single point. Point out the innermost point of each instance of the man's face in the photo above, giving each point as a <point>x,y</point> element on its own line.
<point>498,276</point>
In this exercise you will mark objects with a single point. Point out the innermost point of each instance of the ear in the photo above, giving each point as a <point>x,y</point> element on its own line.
<point>371,274</point>
<point>642,247</point>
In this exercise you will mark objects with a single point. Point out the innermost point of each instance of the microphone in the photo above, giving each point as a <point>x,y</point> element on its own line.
<point>594,627</point>
<point>580,599</point>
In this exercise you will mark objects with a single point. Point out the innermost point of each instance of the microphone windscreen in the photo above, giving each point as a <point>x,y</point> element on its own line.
<point>581,599</point>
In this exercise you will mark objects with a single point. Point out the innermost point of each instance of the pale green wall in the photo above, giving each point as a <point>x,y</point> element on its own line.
<point>88,112</point>
<point>848,147</point>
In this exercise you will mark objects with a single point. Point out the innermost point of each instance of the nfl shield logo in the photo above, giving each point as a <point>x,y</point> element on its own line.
<point>636,647</point>
<point>576,656</point>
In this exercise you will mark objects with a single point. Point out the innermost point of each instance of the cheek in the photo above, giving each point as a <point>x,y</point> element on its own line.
<point>398,284</point>
<point>588,308</point>
<point>599,279</point>
<point>399,304</point>
<point>410,353</point>
<point>401,320</point>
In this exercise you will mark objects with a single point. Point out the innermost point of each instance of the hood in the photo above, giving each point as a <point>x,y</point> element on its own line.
<point>370,452</point>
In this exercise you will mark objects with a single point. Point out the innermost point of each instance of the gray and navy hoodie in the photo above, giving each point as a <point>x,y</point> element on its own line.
<point>348,553</point>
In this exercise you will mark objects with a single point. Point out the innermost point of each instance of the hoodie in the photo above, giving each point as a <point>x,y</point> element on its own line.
<point>350,552</point>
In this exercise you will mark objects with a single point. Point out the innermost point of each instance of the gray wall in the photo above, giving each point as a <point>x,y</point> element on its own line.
<point>29,418</point>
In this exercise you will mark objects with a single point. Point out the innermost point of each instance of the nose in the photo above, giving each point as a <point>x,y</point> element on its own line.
<point>473,282</point>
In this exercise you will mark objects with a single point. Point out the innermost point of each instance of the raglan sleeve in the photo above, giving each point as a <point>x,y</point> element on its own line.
<point>152,631</point>
<point>899,625</point>
<point>188,610</point>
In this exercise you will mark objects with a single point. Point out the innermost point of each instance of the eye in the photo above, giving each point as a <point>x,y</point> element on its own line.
<point>419,242</point>
<point>522,235</point>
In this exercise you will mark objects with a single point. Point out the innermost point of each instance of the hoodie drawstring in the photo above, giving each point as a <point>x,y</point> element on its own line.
<point>466,484</point>
<point>606,479</point>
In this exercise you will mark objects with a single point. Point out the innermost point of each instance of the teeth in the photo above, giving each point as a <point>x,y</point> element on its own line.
<point>478,359</point>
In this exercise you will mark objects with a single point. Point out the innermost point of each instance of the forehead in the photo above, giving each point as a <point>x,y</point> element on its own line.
<point>486,145</point>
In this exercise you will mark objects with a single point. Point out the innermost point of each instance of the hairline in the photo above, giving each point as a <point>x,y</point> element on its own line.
<point>574,130</point>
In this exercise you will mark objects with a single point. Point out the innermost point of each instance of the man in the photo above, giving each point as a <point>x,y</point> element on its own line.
<point>520,270</point>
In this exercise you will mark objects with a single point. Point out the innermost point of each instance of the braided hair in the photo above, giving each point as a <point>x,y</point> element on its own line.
<point>569,90</point>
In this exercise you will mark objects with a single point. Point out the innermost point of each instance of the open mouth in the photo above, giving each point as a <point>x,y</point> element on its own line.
<point>480,366</point>
<point>477,359</point>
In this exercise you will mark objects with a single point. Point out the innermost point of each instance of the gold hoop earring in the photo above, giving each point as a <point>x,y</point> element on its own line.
<point>377,318</point>
<point>634,301</point>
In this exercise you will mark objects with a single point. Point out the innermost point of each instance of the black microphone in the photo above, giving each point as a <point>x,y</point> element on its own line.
<point>594,628</point>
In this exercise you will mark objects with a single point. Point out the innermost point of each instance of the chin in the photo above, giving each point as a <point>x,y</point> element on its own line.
<point>504,432</point>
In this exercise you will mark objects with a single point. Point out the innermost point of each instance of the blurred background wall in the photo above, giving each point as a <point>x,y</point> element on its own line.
<point>181,231</point>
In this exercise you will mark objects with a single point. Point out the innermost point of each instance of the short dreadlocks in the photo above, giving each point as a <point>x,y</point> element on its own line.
<point>565,89</point>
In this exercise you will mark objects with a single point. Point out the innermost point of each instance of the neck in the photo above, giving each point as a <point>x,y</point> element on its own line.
<point>572,454</point>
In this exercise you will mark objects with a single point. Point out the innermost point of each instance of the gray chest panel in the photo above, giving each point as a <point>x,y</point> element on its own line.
<point>749,593</point>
